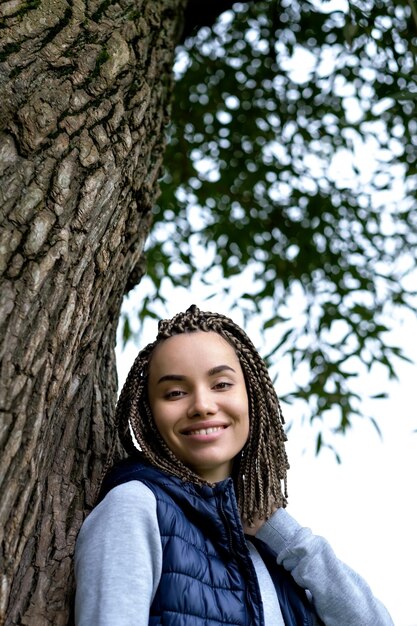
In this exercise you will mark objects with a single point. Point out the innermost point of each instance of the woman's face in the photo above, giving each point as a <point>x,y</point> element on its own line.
<point>199,402</point>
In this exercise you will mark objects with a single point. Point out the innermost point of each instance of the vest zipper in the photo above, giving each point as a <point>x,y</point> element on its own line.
<point>248,566</point>
<point>227,526</point>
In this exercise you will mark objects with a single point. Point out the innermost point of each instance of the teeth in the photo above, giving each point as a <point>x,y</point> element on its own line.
<point>205,431</point>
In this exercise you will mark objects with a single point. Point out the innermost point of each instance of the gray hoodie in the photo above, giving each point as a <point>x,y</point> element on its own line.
<point>118,562</point>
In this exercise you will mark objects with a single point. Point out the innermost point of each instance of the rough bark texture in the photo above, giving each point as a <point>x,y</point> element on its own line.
<point>84,91</point>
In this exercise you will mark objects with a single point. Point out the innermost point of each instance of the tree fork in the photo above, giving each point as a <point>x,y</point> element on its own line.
<point>85,91</point>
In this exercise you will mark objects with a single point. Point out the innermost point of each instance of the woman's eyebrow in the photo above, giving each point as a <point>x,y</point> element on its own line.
<point>171,377</point>
<point>220,368</point>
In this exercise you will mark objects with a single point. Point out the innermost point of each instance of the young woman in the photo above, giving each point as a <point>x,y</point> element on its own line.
<point>192,530</point>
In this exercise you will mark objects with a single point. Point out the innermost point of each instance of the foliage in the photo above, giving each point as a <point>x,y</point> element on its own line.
<point>292,150</point>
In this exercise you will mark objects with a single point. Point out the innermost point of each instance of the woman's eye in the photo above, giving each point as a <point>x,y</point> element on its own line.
<point>223,385</point>
<point>175,393</point>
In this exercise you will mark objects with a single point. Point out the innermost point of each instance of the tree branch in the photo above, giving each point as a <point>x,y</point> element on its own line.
<point>199,14</point>
<point>413,11</point>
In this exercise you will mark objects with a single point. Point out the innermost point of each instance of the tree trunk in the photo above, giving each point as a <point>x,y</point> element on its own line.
<point>84,94</point>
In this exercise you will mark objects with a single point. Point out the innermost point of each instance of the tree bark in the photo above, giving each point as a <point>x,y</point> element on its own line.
<point>84,95</point>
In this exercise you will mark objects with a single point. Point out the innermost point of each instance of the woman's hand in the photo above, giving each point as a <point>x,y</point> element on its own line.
<point>252,530</point>
<point>257,524</point>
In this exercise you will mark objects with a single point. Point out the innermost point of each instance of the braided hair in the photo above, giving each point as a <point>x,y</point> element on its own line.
<point>261,468</point>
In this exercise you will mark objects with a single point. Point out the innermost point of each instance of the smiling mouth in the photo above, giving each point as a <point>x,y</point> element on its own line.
<point>205,431</point>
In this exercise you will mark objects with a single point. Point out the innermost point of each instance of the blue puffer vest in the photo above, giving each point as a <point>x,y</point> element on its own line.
<point>208,578</point>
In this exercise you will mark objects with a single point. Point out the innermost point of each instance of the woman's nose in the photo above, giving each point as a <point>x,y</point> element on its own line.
<point>202,403</point>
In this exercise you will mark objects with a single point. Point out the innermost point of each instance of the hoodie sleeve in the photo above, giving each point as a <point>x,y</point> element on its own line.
<point>118,559</point>
<point>339,594</point>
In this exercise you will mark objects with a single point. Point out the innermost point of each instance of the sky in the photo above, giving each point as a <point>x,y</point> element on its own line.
<point>366,506</point>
